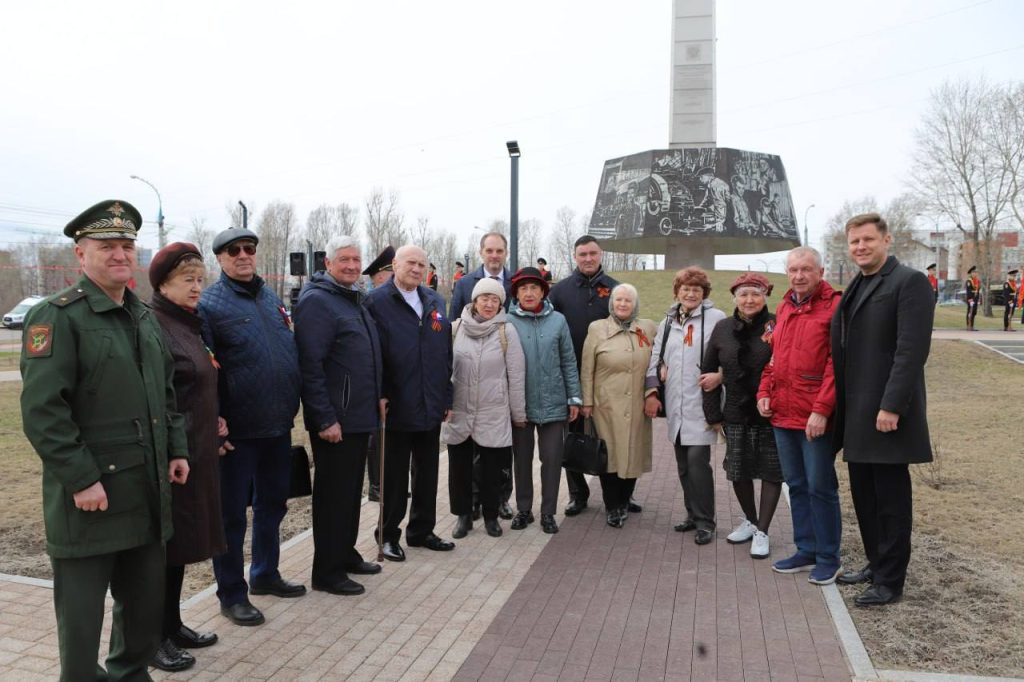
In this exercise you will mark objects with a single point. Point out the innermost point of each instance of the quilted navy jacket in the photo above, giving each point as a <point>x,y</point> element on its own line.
<point>417,356</point>
<point>339,355</point>
<point>251,338</point>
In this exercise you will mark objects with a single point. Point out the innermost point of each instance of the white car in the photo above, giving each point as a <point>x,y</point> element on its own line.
<point>16,318</point>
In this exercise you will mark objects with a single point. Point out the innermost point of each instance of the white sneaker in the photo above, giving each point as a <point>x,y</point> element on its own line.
<point>759,548</point>
<point>742,533</point>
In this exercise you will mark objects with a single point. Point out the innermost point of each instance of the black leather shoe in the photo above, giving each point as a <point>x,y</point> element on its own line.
<point>279,588</point>
<point>522,520</point>
<point>877,595</point>
<point>393,551</point>
<point>347,588</point>
<point>547,524</point>
<point>575,507</point>
<point>172,659</point>
<point>364,568</point>
<point>864,575</point>
<point>187,638</point>
<point>685,526</point>
<point>462,526</point>
<point>243,613</point>
<point>493,528</point>
<point>476,512</point>
<point>613,519</point>
<point>505,511</point>
<point>373,495</point>
<point>703,536</point>
<point>432,542</point>
<point>633,507</point>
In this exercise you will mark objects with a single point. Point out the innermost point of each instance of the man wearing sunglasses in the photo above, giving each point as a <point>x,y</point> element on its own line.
<point>249,333</point>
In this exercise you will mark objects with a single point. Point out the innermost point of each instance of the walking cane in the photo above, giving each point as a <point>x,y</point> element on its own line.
<point>380,514</point>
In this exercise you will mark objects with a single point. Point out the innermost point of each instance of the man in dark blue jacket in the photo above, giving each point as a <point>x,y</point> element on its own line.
<point>493,250</point>
<point>249,332</point>
<point>416,345</point>
<point>582,298</point>
<point>339,354</point>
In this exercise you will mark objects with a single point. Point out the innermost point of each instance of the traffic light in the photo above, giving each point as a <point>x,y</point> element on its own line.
<point>297,260</point>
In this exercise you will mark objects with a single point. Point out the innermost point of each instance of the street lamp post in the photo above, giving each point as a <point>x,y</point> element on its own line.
<point>514,153</point>
<point>161,234</point>
<point>806,211</point>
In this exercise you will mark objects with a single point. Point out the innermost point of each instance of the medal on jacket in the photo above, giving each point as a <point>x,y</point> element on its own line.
<point>437,318</point>
<point>689,336</point>
<point>603,292</point>
<point>641,338</point>
<point>285,316</point>
<point>213,358</point>
<point>769,327</point>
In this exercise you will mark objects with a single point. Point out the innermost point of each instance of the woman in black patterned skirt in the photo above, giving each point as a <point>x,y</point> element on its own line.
<point>741,346</point>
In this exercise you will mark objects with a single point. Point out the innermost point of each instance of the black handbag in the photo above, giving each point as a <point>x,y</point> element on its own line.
<point>301,483</point>
<point>584,452</point>
<point>661,361</point>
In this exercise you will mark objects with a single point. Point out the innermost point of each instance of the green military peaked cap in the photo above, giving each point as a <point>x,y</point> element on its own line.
<point>110,219</point>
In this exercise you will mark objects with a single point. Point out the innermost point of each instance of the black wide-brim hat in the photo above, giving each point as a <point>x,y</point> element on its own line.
<point>232,235</point>
<point>383,262</point>
<point>110,219</point>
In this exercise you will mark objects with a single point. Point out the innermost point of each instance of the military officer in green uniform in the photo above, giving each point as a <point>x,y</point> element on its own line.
<point>98,407</point>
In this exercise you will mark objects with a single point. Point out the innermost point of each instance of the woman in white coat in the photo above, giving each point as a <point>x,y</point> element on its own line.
<point>489,378</point>
<point>689,324</point>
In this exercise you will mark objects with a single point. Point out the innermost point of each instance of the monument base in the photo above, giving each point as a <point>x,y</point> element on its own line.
<point>681,253</point>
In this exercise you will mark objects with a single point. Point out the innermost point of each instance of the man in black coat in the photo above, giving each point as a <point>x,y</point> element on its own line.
<point>339,353</point>
<point>881,335</point>
<point>582,298</point>
<point>493,251</point>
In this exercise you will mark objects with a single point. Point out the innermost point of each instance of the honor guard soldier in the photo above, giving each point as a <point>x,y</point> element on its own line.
<point>98,406</point>
<point>973,287</point>
<point>1009,300</point>
<point>380,270</point>
<point>933,280</point>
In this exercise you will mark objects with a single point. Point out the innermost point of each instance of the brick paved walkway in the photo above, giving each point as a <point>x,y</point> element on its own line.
<point>591,602</point>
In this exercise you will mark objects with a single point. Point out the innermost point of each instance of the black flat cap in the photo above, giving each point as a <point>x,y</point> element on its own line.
<point>382,262</point>
<point>1012,272</point>
<point>233,234</point>
<point>110,219</point>
<point>972,269</point>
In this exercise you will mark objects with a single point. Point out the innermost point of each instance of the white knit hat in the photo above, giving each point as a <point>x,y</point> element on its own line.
<point>489,286</point>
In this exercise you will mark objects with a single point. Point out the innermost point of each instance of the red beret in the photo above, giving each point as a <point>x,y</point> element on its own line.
<point>751,279</point>
<point>167,258</point>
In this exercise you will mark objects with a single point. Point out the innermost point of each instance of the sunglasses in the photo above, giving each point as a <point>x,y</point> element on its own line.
<point>234,249</point>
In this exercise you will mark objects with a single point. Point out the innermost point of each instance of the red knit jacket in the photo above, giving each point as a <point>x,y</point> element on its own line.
<point>799,379</point>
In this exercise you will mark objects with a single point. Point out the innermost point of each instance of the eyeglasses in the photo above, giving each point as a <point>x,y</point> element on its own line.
<point>234,249</point>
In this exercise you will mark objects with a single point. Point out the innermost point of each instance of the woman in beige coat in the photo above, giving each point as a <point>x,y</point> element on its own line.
<point>614,361</point>
<point>489,378</point>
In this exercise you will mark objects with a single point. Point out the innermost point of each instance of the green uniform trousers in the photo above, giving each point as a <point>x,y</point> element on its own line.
<point>135,578</point>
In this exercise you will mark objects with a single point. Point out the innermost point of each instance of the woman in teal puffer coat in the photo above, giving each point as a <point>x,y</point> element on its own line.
<point>553,396</point>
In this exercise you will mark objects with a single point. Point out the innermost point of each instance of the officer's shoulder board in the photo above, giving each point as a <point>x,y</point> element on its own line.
<point>67,297</point>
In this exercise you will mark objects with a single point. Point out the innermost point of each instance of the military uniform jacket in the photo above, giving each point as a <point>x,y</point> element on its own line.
<point>98,405</point>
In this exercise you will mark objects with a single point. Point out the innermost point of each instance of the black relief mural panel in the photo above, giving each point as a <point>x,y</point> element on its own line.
<point>697,191</point>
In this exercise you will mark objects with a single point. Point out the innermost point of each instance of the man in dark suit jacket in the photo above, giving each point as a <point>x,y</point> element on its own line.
<point>881,335</point>
<point>493,251</point>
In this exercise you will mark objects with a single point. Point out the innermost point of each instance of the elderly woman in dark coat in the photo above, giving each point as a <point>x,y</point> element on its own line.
<point>177,273</point>
<point>741,346</point>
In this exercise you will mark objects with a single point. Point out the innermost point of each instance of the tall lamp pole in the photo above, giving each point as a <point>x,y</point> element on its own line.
<point>245,215</point>
<point>161,234</point>
<point>806,211</point>
<point>514,153</point>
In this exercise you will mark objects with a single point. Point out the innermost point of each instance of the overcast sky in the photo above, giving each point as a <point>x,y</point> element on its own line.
<point>319,102</point>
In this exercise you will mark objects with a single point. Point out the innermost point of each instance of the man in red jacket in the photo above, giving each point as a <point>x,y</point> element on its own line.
<point>797,393</point>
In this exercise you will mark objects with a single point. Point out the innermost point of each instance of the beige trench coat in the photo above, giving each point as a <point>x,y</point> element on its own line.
<point>614,363</point>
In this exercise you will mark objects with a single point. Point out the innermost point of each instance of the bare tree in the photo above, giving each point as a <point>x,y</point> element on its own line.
<point>234,212</point>
<point>561,240</point>
<point>326,221</point>
<point>1008,143</point>
<point>276,228</point>
<point>529,241</point>
<point>383,221</point>
<point>957,169</point>
<point>201,236</point>
<point>12,286</point>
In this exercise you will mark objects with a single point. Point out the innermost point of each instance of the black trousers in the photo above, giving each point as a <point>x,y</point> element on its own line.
<point>337,499</point>
<point>883,500</point>
<point>174,579</point>
<point>972,311</point>
<point>1007,316</point>
<point>410,455</point>
<point>616,491</point>
<point>373,461</point>
<point>465,461</point>
<point>80,586</point>
<point>504,485</point>
<point>579,490</point>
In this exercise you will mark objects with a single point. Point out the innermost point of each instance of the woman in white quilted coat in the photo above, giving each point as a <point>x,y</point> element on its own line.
<point>689,323</point>
<point>489,378</point>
